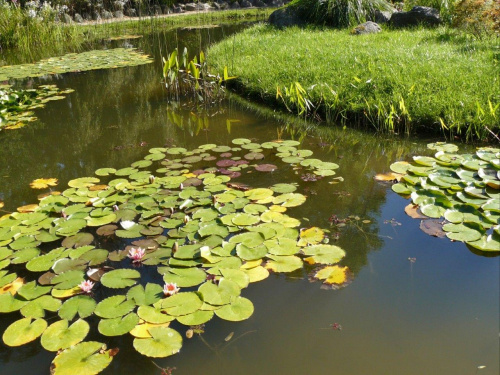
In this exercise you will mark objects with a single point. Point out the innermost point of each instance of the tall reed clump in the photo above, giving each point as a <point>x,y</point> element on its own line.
<point>26,29</point>
<point>338,13</point>
<point>190,78</point>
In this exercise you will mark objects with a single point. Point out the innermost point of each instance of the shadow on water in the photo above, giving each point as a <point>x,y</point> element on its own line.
<point>396,317</point>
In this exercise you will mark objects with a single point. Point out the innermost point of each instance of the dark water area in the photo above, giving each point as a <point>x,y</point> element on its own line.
<point>436,315</point>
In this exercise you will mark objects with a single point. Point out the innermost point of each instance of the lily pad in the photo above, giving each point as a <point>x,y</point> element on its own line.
<point>164,342</point>
<point>121,278</point>
<point>239,309</point>
<point>60,335</point>
<point>85,358</point>
<point>23,331</point>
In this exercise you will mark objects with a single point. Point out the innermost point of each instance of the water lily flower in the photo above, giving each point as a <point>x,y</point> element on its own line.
<point>170,289</point>
<point>86,286</point>
<point>187,219</point>
<point>127,224</point>
<point>136,254</point>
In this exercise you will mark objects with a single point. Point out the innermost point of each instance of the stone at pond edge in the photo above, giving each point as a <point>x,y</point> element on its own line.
<point>383,16</point>
<point>78,18</point>
<point>285,17</point>
<point>366,28</point>
<point>418,15</point>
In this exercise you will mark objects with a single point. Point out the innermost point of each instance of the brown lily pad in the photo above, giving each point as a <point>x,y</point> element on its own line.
<point>414,212</point>
<point>433,227</point>
<point>266,168</point>
<point>107,230</point>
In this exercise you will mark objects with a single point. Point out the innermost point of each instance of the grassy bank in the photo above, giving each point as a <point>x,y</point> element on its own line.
<point>31,38</point>
<point>408,81</point>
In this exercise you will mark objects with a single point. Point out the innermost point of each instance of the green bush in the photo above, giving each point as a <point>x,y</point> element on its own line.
<point>338,13</point>
<point>478,17</point>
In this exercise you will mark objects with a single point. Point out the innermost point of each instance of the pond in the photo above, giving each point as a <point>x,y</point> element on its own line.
<point>416,304</point>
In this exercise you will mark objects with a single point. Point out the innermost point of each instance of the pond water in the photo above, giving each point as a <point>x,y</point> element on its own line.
<point>435,314</point>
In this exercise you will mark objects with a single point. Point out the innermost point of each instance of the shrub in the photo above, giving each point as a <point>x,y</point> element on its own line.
<point>477,17</point>
<point>338,13</point>
<point>445,7</point>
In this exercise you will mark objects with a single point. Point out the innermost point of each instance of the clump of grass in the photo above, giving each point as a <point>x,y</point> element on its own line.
<point>338,13</point>
<point>400,81</point>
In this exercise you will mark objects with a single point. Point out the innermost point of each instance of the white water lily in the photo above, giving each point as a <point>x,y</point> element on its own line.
<point>127,224</point>
<point>185,203</point>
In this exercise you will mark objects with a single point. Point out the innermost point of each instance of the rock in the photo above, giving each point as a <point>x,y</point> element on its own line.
<point>190,7</point>
<point>366,28</point>
<point>285,17</point>
<point>177,9</point>
<point>106,15</point>
<point>118,14</point>
<point>204,6</point>
<point>217,6</point>
<point>235,5</point>
<point>66,18</point>
<point>96,16</point>
<point>246,4</point>
<point>78,18</point>
<point>119,5</point>
<point>87,16</point>
<point>157,10</point>
<point>382,16</point>
<point>275,3</point>
<point>259,3</point>
<point>224,5</point>
<point>166,9</point>
<point>131,12</point>
<point>417,16</point>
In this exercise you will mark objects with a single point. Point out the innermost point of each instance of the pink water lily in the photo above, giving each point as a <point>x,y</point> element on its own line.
<point>136,254</point>
<point>86,286</point>
<point>170,289</point>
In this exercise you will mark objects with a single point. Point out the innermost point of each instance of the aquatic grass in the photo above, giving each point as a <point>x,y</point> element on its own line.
<point>401,81</point>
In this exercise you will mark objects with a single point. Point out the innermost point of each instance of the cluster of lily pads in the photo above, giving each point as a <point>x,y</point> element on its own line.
<point>464,189</point>
<point>16,105</point>
<point>140,251</point>
<point>76,62</point>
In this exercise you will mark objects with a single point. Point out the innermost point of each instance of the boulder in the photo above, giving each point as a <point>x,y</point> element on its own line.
<point>118,5</point>
<point>66,18</point>
<point>78,18</point>
<point>259,3</point>
<point>166,9</point>
<point>382,16</point>
<point>285,17</point>
<point>177,9</point>
<point>235,5</point>
<point>366,28</point>
<point>157,10</point>
<point>131,12</point>
<point>246,4</point>
<point>96,15</point>
<point>275,3</point>
<point>106,15</point>
<point>224,5</point>
<point>416,16</point>
<point>190,7</point>
<point>118,14</point>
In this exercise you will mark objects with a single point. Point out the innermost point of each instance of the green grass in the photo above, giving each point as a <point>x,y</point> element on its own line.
<point>409,81</point>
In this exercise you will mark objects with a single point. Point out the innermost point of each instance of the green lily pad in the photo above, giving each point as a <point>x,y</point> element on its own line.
<point>23,331</point>
<point>153,315</point>
<point>36,308</point>
<point>287,263</point>
<point>184,277</point>
<point>239,309</point>
<point>164,342</point>
<point>145,295</point>
<point>85,358</point>
<point>181,303</point>
<point>114,307</point>
<point>120,278</point>
<point>118,326</point>
<point>83,306</point>
<point>60,335</point>
<point>323,254</point>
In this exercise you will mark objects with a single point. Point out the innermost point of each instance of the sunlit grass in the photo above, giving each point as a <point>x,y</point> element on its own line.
<point>397,81</point>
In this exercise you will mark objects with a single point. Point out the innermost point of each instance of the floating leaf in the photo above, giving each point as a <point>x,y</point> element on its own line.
<point>286,263</point>
<point>85,358</point>
<point>164,342</point>
<point>118,326</point>
<point>239,309</point>
<point>83,306</point>
<point>121,278</point>
<point>23,331</point>
<point>114,307</point>
<point>181,303</point>
<point>61,336</point>
<point>43,183</point>
<point>339,276</point>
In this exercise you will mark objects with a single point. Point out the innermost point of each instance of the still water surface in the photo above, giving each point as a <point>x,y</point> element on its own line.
<point>437,315</point>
